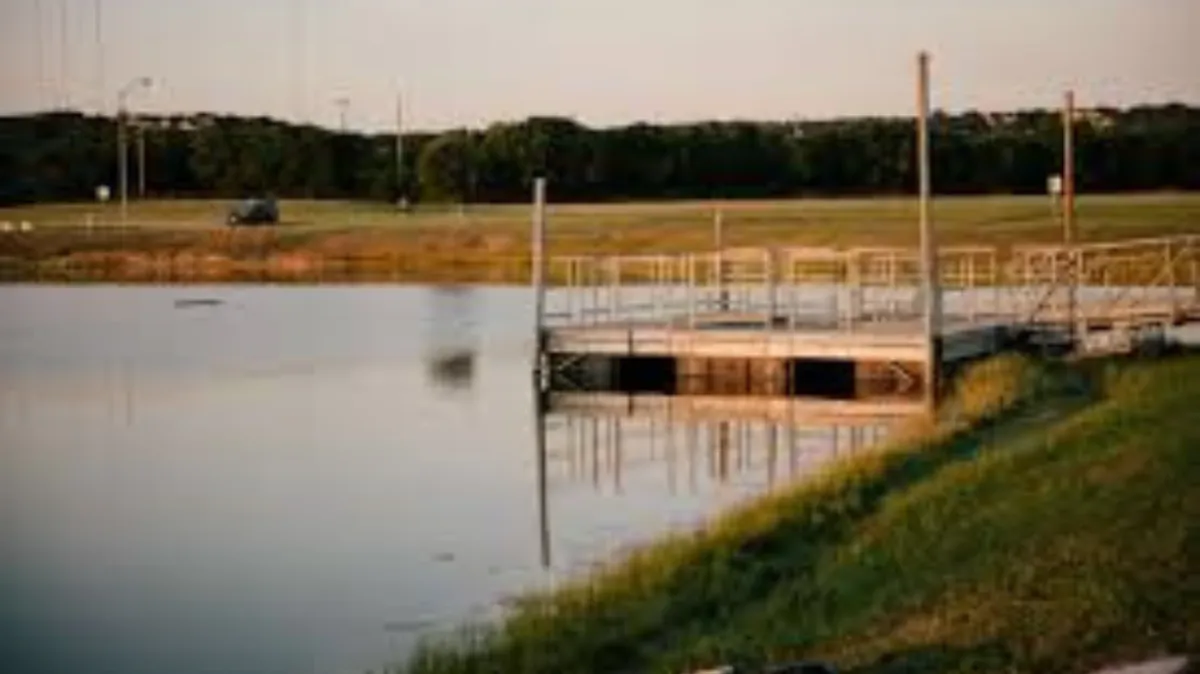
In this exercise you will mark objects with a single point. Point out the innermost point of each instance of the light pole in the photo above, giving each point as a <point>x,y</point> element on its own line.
<point>141,148</point>
<point>63,57</point>
<point>122,155</point>
<point>342,103</point>
<point>98,36</point>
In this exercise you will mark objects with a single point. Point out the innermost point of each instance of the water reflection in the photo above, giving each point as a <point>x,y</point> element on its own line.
<point>635,446</point>
<point>450,360</point>
<point>271,485</point>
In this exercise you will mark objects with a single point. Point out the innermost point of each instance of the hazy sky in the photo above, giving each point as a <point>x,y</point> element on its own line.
<point>601,61</point>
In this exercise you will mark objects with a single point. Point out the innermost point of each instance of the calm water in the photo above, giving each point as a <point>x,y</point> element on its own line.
<point>278,483</point>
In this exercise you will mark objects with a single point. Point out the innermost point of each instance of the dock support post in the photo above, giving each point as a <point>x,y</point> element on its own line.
<point>538,279</point>
<point>772,277</point>
<point>691,291</point>
<point>1169,259</point>
<point>931,291</point>
<point>719,260</point>
<point>1190,245</point>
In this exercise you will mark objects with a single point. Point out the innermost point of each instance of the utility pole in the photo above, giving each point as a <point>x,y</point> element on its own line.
<point>299,18</point>
<point>342,103</point>
<point>122,152</point>
<point>39,52</point>
<point>122,160</point>
<point>63,58</point>
<point>401,197</point>
<point>141,143</point>
<point>98,36</point>
<point>930,281</point>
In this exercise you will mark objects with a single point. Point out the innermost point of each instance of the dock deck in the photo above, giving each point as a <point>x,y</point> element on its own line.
<point>792,305</point>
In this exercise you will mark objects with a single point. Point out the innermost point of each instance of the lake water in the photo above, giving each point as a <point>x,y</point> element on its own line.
<point>279,482</point>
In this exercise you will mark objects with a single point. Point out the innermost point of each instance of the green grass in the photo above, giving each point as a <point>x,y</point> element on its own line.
<point>490,243</point>
<point>1047,524</point>
<point>1000,217</point>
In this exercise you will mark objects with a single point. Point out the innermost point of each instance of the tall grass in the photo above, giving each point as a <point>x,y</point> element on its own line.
<point>1044,525</point>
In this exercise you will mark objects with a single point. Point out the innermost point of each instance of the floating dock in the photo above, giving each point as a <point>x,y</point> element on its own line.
<point>846,323</point>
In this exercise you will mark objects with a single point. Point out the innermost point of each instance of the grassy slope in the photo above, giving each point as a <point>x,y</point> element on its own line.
<point>1046,530</point>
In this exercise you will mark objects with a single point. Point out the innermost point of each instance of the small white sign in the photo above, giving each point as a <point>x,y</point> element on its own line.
<point>1054,185</point>
<point>102,193</point>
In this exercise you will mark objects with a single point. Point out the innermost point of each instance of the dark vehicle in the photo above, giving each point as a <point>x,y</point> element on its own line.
<point>256,211</point>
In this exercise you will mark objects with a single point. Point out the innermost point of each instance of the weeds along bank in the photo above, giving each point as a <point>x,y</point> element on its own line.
<point>1045,524</point>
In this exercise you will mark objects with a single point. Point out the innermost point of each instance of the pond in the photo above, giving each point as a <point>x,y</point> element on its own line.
<point>279,479</point>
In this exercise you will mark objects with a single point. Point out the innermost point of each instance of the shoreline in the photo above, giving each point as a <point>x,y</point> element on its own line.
<point>906,558</point>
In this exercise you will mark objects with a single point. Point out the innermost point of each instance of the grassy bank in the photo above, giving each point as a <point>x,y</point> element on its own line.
<point>187,239</point>
<point>1047,524</point>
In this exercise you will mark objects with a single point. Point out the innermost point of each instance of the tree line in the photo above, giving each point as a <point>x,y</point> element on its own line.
<point>64,156</point>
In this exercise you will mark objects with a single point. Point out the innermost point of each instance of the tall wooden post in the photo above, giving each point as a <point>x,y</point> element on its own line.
<point>1068,216</point>
<point>930,282</point>
<point>538,278</point>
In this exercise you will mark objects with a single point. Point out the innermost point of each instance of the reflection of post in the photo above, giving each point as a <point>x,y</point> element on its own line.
<point>543,508</point>
<point>772,452</point>
<point>691,442</point>
<point>723,451</point>
<point>672,459</point>
<point>617,458</point>
<point>572,448</point>
<point>793,456</point>
<point>746,447</point>
<point>595,423</point>
<point>127,379</point>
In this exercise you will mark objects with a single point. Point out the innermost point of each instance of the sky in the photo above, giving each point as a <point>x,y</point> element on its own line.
<point>603,62</point>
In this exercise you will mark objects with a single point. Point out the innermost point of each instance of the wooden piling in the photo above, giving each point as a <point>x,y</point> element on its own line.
<point>538,279</point>
<point>930,281</point>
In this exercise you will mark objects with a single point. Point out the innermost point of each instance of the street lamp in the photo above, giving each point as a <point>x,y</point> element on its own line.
<point>122,156</point>
<point>342,103</point>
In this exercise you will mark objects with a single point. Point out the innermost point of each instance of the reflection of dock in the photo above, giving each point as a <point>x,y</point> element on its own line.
<point>780,410</point>
<point>603,451</point>
<point>694,447</point>
<point>620,446</point>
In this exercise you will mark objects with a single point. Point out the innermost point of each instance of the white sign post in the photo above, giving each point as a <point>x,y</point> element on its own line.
<point>103,194</point>
<point>1054,186</point>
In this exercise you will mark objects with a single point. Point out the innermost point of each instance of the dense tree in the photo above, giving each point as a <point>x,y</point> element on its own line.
<point>63,156</point>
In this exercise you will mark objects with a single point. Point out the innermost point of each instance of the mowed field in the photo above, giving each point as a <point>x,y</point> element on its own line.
<point>498,235</point>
